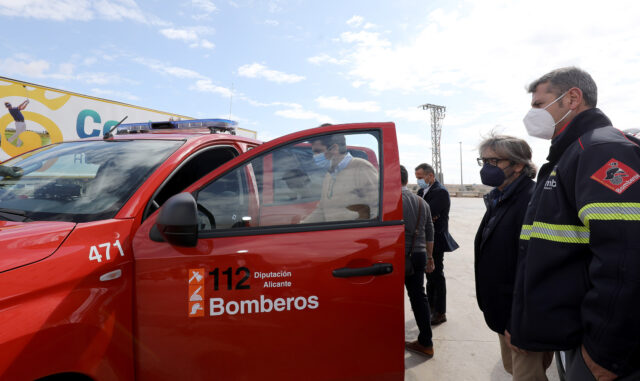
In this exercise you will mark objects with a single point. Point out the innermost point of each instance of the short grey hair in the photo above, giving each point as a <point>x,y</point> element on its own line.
<point>339,139</point>
<point>565,78</point>
<point>426,168</point>
<point>510,148</point>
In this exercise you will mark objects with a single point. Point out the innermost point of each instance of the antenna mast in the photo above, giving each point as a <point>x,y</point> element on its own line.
<point>437,114</point>
<point>230,100</point>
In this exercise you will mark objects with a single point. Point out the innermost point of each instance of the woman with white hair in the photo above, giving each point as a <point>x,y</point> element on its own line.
<point>506,166</point>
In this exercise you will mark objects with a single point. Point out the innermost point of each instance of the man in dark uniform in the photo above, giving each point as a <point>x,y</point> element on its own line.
<point>438,199</point>
<point>578,280</point>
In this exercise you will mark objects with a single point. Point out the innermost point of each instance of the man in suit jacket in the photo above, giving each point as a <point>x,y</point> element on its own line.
<point>438,199</point>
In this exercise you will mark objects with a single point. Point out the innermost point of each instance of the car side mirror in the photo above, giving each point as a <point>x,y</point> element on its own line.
<point>177,221</point>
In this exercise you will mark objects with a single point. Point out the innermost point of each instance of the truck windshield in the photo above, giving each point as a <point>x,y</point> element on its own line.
<point>79,181</point>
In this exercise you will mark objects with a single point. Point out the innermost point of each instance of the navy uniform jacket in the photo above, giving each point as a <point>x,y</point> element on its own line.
<point>578,280</point>
<point>438,199</point>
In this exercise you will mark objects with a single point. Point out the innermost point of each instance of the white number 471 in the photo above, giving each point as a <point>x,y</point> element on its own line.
<point>94,253</point>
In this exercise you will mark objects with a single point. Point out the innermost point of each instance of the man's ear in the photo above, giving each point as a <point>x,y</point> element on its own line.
<point>574,97</point>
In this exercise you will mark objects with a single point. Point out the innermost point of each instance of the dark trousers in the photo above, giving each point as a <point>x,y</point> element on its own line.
<point>418,298</point>
<point>436,285</point>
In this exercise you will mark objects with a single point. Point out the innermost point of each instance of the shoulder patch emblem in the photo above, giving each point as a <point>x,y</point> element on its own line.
<point>616,176</point>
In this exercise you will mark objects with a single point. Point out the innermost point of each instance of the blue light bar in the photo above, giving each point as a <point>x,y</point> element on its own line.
<point>214,126</point>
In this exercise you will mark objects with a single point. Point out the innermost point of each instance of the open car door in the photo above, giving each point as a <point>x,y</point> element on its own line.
<point>275,267</point>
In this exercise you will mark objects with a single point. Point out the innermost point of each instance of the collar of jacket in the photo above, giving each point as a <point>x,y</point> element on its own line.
<point>585,121</point>
<point>512,188</point>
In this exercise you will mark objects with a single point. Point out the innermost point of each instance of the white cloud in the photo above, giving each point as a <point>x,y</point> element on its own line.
<point>25,67</point>
<point>204,6</point>
<point>452,119</point>
<point>207,86</point>
<point>89,61</point>
<point>257,70</point>
<point>120,10</point>
<point>355,21</point>
<point>414,140</point>
<point>179,34</point>
<point>325,58</point>
<point>363,39</point>
<point>190,36</point>
<point>266,136</point>
<point>180,72</point>
<point>115,95</point>
<point>271,22</point>
<point>51,10</point>
<point>274,6</point>
<point>207,44</point>
<point>459,50</point>
<point>174,71</point>
<point>479,68</point>
<point>411,114</point>
<point>98,78</point>
<point>270,104</point>
<point>343,104</point>
<point>297,112</point>
<point>78,10</point>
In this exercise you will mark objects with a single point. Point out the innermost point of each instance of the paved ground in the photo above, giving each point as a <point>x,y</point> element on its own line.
<point>465,349</point>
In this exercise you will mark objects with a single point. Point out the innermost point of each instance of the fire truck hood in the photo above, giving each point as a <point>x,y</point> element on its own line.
<point>23,243</point>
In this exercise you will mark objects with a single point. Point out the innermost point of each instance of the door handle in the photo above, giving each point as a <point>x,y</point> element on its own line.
<point>115,274</point>
<point>375,269</point>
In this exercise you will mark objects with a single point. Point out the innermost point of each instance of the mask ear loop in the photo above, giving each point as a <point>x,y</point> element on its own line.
<point>557,99</point>
<point>561,119</point>
<point>565,115</point>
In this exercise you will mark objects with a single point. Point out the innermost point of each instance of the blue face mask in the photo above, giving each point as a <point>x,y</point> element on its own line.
<point>321,161</point>
<point>423,184</point>
<point>492,175</point>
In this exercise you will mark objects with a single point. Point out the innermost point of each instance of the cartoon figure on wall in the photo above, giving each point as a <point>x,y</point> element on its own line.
<point>19,121</point>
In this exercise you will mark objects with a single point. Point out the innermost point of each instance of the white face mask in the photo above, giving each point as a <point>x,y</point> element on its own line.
<point>540,123</point>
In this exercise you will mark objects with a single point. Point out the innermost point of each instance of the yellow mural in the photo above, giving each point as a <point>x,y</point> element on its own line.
<point>37,94</point>
<point>28,140</point>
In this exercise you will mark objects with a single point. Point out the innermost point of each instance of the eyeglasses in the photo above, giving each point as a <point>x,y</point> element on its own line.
<point>491,160</point>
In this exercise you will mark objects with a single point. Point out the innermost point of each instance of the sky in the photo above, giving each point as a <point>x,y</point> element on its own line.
<point>281,66</point>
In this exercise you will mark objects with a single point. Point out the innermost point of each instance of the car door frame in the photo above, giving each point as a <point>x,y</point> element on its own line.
<point>390,214</point>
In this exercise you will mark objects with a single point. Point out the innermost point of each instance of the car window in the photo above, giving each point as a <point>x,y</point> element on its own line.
<point>224,203</point>
<point>329,178</point>
<point>190,171</point>
<point>81,181</point>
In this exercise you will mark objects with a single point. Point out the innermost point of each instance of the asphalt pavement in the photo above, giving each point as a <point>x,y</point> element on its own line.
<point>465,348</point>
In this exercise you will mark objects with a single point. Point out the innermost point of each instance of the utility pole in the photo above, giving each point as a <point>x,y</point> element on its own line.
<point>437,114</point>
<point>461,182</point>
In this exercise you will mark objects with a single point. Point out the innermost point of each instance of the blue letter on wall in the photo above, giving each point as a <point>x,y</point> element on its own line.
<point>80,123</point>
<point>107,126</point>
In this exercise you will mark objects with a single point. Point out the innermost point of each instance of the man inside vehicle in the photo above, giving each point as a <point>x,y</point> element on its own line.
<point>349,188</point>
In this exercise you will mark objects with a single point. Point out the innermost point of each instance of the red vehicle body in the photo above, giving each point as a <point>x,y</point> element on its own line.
<point>251,293</point>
